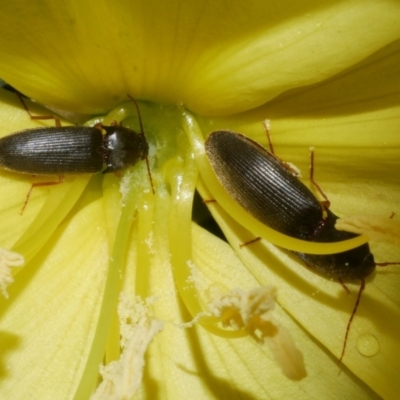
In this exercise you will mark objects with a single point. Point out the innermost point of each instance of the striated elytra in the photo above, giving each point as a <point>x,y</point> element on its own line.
<point>72,149</point>
<point>267,190</point>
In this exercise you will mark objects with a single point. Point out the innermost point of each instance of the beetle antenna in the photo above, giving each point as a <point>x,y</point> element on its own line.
<point>362,287</point>
<point>149,173</point>
<point>140,118</point>
<point>142,133</point>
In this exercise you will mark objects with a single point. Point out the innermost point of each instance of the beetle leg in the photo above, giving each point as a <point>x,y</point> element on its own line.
<point>344,286</point>
<point>60,180</point>
<point>39,117</point>
<point>290,167</point>
<point>267,128</point>
<point>325,203</point>
<point>362,287</point>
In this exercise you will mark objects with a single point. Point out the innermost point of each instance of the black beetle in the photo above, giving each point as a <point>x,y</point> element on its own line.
<point>63,150</point>
<point>268,191</point>
<point>72,149</point>
<point>263,185</point>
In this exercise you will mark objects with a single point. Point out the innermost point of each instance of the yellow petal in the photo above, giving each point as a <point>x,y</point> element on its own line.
<point>354,127</point>
<point>48,322</point>
<point>206,366</point>
<point>216,58</point>
<point>323,307</point>
<point>249,366</point>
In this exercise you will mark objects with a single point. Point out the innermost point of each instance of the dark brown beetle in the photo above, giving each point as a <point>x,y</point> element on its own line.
<point>268,191</point>
<point>264,186</point>
<point>72,149</point>
<point>63,150</point>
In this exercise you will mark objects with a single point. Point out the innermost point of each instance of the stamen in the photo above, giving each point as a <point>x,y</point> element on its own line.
<point>122,378</point>
<point>253,311</point>
<point>8,260</point>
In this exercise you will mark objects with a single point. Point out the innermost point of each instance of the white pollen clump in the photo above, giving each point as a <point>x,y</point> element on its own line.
<point>124,185</point>
<point>122,378</point>
<point>196,276</point>
<point>253,311</point>
<point>150,243</point>
<point>8,260</point>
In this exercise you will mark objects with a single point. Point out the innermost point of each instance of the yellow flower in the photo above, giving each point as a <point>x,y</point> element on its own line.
<point>325,75</point>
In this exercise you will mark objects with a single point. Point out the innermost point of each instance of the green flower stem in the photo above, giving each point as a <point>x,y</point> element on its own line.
<point>110,298</point>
